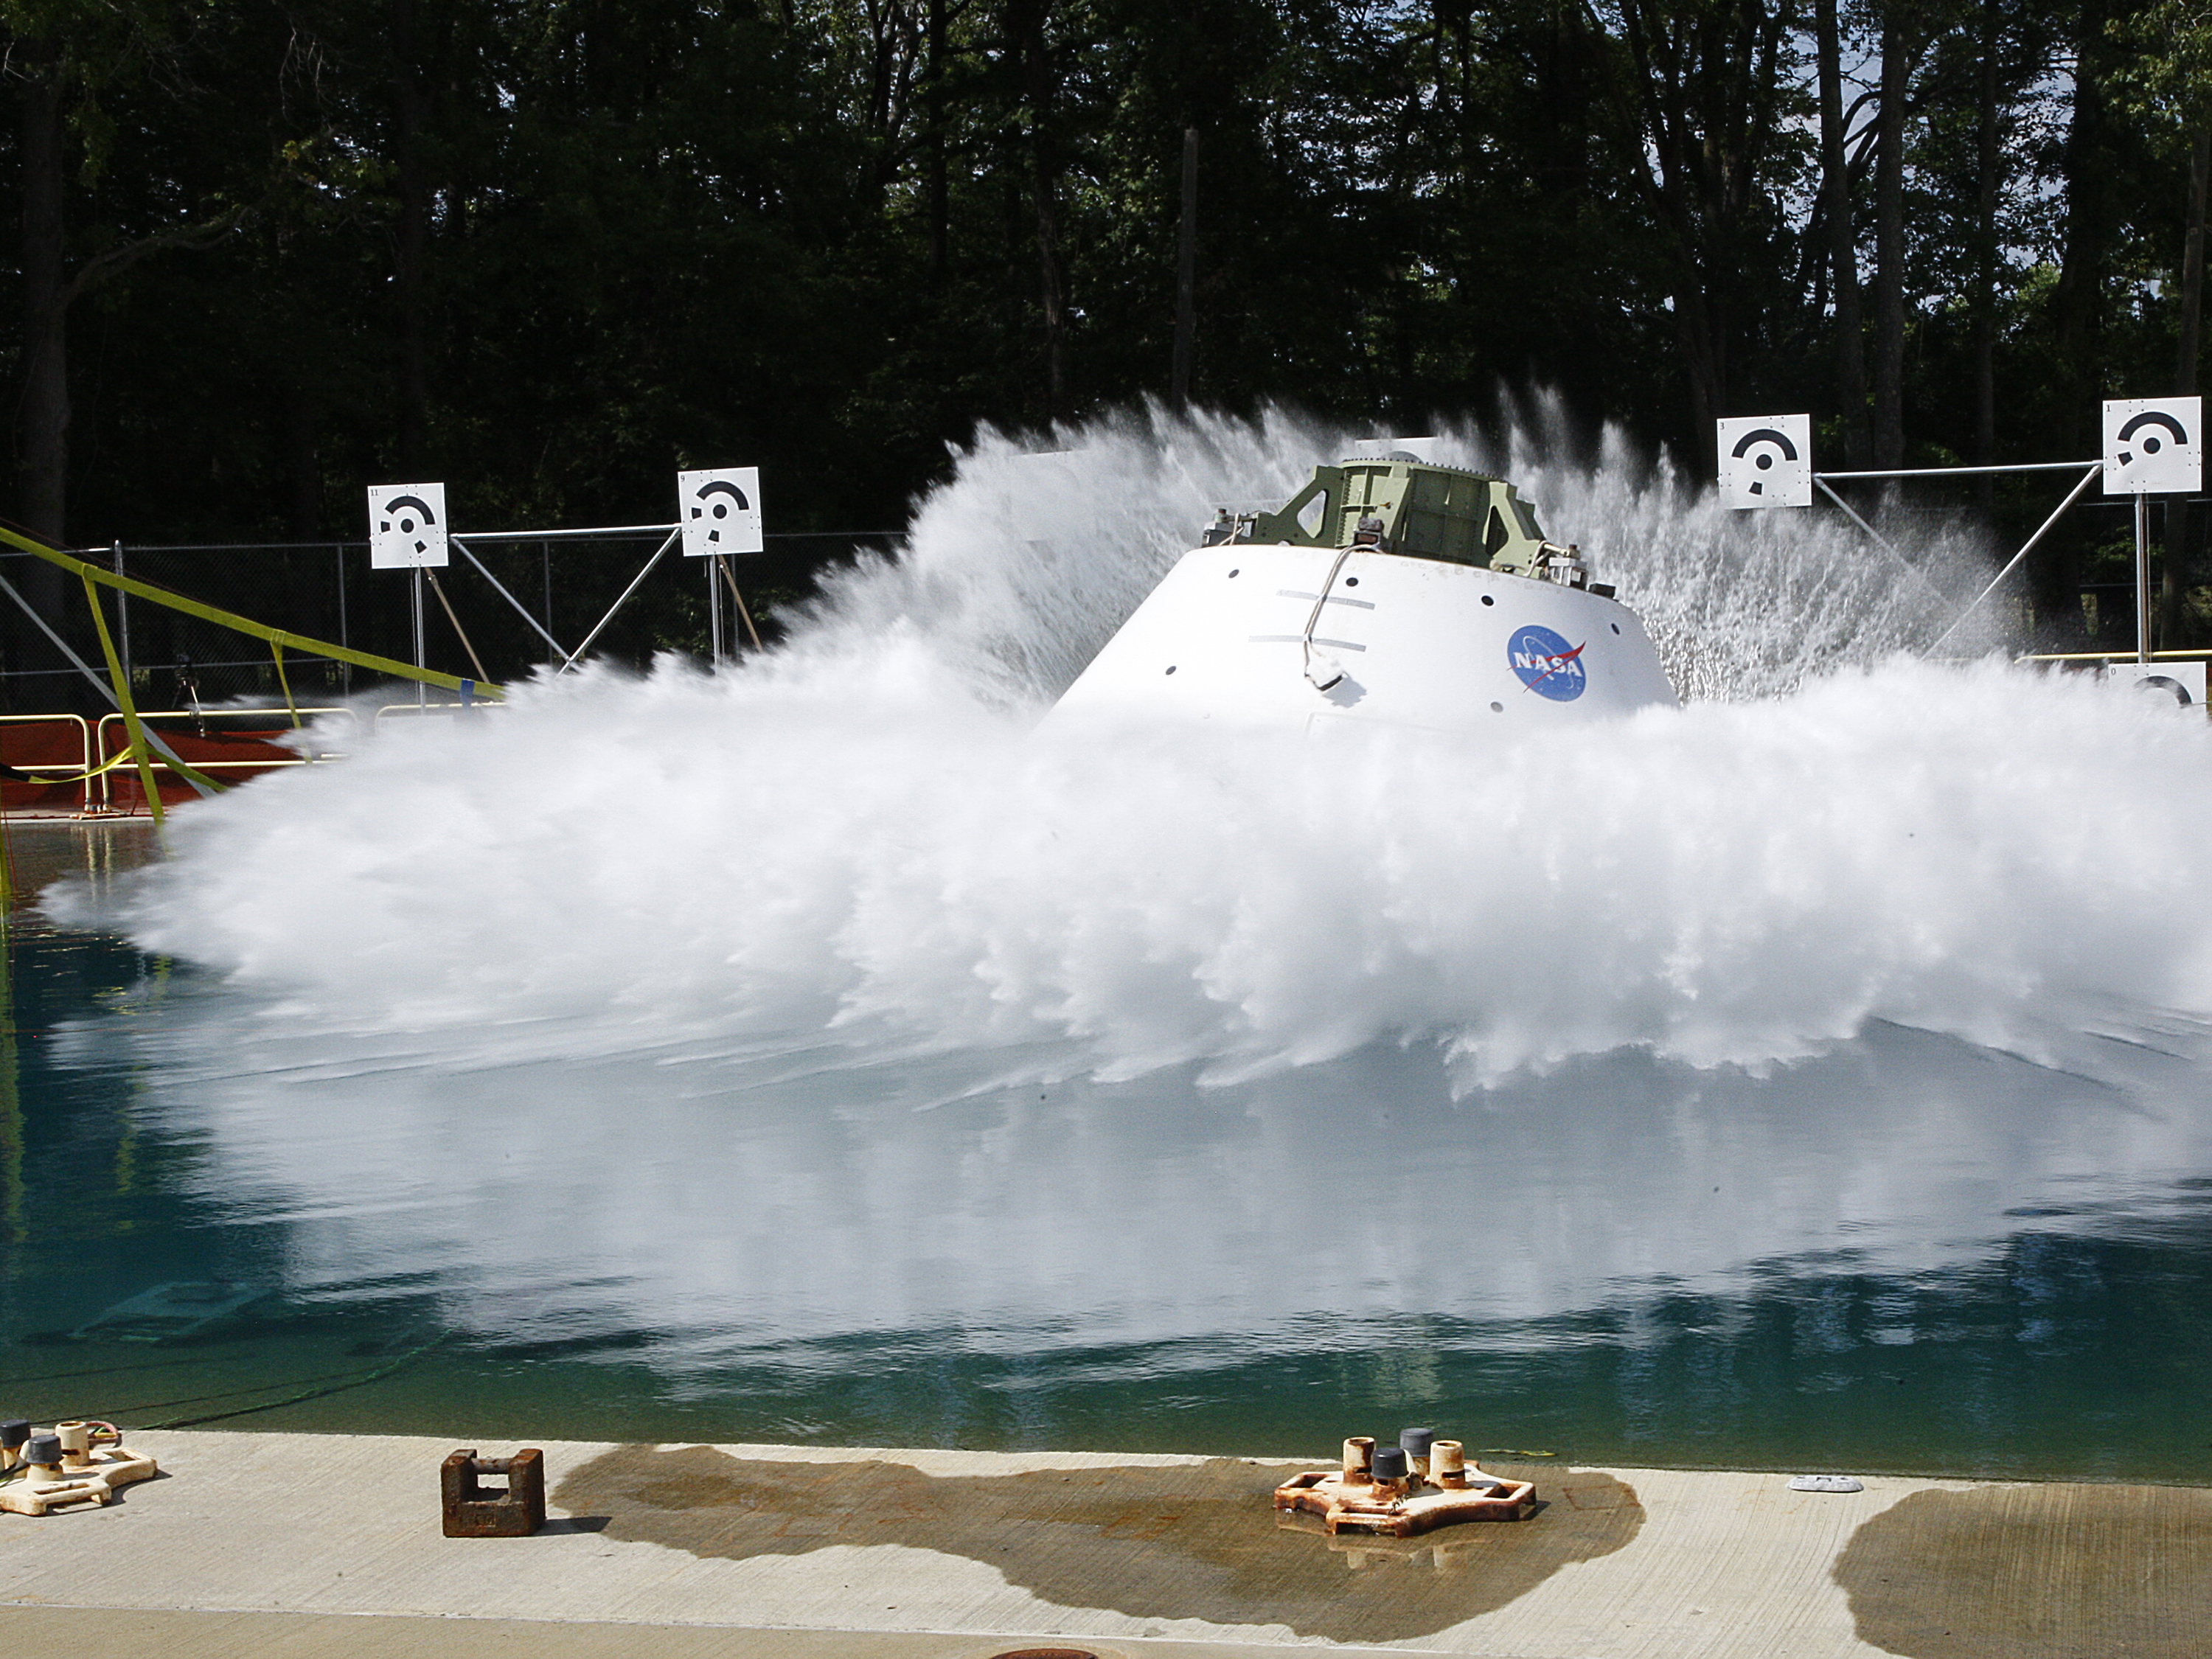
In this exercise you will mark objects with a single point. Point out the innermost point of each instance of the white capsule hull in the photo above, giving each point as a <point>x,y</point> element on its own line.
<point>1419,643</point>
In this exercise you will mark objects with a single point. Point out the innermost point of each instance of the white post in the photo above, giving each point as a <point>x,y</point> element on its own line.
<point>714,616</point>
<point>2143,578</point>
<point>422,691</point>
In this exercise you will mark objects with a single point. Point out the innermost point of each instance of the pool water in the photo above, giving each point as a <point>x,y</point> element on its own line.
<point>1908,1254</point>
<point>820,1049</point>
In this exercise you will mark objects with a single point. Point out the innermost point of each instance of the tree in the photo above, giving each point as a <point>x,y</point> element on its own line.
<point>2168,83</point>
<point>1890,116</point>
<point>1709,82</point>
<point>1842,242</point>
<point>548,251</point>
<point>67,58</point>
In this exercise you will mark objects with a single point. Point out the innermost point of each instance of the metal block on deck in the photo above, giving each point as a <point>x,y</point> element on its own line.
<point>474,1510</point>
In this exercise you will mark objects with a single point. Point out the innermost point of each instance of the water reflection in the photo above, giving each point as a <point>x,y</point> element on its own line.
<point>736,1210</point>
<point>1909,1253</point>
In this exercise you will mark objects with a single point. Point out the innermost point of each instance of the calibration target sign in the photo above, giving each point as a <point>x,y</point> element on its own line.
<point>406,526</point>
<point>2153,446</point>
<point>719,511</point>
<point>2181,683</point>
<point>1766,460</point>
<point>1545,664</point>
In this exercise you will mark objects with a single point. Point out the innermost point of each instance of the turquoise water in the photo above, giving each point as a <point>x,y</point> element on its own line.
<point>1911,1253</point>
<point>1813,1077</point>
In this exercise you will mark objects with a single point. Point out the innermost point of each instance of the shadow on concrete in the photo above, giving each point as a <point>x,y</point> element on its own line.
<point>560,1523</point>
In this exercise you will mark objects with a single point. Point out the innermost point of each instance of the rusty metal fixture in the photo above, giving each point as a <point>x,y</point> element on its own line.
<point>1418,1445</point>
<point>75,1436</point>
<point>74,1462</point>
<point>1413,1487</point>
<point>1447,1465</point>
<point>474,1510</point>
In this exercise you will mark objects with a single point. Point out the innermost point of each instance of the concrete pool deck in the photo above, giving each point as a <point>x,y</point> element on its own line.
<point>294,1546</point>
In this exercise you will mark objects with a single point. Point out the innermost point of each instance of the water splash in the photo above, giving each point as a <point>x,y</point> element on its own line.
<point>608,1015</point>
<point>1022,566</point>
<point>858,842</point>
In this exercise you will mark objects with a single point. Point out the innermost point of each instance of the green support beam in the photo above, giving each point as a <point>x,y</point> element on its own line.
<point>230,619</point>
<point>126,702</point>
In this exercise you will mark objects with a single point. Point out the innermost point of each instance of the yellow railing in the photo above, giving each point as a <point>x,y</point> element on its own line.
<point>76,774</point>
<point>447,710</point>
<point>145,746</point>
<point>109,758</point>
<point>82,772</point>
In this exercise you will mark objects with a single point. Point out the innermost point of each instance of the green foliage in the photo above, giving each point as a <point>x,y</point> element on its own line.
<point>2166,79</point>
<point>807,233</point>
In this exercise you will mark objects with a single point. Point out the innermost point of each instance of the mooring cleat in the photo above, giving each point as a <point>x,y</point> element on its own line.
<point>1403,1490</point>
<point>72,1463</point>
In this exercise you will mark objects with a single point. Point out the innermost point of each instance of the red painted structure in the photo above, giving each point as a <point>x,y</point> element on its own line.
<point>54,761</point>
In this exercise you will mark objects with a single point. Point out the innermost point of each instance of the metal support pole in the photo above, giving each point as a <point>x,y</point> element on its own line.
<point>422,691</point>
<point>1873,535</point>
<point>714,616</point>
<point>345,670</point>
<point>600,533</point>
<point>636,582</point>
<point>1964,471</point>
<point>123,616</point>
<point>134,730</point>
<point>499,587</point>
<point>1877,537</point>
<point>2142,577</point>
<point>736,599</point>
<point>2094,470</point>
<point>460,633</point>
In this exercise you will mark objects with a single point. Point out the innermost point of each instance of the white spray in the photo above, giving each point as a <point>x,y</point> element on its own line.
<point>609,1011</point>
<point>859,839</point>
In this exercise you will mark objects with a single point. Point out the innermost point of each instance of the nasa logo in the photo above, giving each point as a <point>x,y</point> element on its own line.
<point>1546,664</point>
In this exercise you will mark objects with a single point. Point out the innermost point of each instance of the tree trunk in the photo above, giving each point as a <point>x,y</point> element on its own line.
<point>2078,302</point>
<point>43,415</point>
<point>1889,250</point>
<point>1987,163</point>
<point>44,423</point>
<point>303,471</point>
<point>411,107</point>
<point>940,199</point>
<point>1704,362</point>
<point>1037,67</point>
<point>1703,94</point>
<point>1842,254</point>
<point>2175,567</point>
